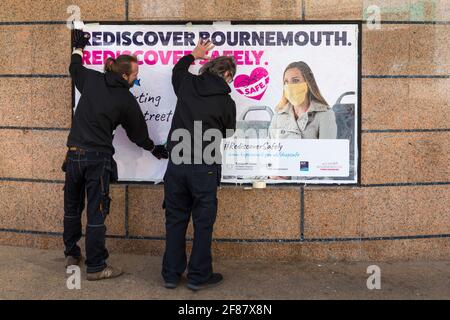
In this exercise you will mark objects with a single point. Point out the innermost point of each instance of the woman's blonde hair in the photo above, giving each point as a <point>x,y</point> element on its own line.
<point>313,89</point>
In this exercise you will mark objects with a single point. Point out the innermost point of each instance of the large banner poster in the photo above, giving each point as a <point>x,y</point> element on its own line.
<point>276,141</point>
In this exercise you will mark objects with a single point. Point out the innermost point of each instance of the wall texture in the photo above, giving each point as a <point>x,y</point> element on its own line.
<point>401,210</point>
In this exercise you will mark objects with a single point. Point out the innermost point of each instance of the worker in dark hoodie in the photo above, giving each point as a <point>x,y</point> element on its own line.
<point>105,103</point>
<point>190,182</point>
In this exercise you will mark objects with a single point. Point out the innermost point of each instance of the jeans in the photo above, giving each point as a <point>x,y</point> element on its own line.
<point>189,188</point>
<point>87,173</point>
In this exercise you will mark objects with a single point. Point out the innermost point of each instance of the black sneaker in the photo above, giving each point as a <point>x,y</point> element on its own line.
<point>216,279</point>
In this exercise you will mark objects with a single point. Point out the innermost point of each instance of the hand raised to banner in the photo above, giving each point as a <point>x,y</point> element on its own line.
<point>203,46</point>
<point>80,39</point>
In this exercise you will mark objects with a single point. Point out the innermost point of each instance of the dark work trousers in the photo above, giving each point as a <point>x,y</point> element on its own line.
<point>189,188</point>
<point>87,172</point>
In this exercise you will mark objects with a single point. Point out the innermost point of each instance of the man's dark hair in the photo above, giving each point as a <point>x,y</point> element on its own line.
<point>121,65</point>
<point>219,66</point>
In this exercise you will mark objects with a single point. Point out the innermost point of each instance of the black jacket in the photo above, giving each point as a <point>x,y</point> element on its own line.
<point>105,103</point>
<point>204,98</point>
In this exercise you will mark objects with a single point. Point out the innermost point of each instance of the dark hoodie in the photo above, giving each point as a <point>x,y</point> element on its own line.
<point>105,103</point>
<point>204,98</point>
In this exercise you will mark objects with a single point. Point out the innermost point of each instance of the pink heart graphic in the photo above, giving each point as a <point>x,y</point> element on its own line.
<point>253,86</point>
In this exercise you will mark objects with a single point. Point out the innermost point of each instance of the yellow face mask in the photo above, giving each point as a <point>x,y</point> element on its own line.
<point>295,93</point>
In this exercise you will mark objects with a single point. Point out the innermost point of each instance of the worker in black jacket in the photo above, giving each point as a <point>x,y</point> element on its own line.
<point>190,183</point>
<point>105,103</point>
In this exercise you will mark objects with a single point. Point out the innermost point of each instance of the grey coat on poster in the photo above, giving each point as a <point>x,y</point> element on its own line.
<point>319,122</point>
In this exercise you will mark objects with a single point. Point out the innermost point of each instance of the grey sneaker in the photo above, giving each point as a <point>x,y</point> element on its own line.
<point>215,280</point>
<point>72,261</point>
<point>170,285</point>
<point>107,273</point>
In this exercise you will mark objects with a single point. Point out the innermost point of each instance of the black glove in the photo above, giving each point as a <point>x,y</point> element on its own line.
<point>160,152</point>
<point>80,38</point>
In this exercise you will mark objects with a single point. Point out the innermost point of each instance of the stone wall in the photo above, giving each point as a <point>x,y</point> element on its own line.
<point>400,211</point>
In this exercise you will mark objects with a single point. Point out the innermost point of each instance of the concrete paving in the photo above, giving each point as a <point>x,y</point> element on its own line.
<point>27,273</point>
